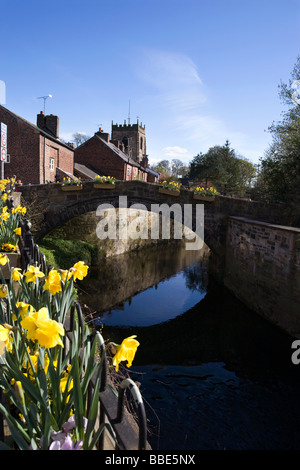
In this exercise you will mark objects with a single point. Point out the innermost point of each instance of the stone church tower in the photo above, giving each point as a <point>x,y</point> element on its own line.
<point>133,138</point>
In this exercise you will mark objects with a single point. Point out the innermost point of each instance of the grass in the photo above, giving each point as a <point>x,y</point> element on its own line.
<point>63,254</point>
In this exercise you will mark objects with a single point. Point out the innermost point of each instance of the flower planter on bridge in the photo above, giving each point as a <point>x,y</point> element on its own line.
<point>104,186</point>
<point>204,198</point>
<point>72,187</point>
<point>14,262</point>
<point>169,192</point>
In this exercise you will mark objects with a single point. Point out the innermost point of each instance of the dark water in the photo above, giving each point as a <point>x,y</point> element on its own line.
<point>213,374</point>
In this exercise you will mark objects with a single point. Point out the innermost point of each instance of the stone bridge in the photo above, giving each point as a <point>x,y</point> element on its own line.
<point>255,246</point>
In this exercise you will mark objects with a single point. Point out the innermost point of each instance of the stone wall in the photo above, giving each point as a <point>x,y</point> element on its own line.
<point>263,270</point>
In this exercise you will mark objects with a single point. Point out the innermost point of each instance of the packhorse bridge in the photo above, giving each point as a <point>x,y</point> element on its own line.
<point>255,246</point>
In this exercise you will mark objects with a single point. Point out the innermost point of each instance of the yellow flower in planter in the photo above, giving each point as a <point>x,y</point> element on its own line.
<point>5,339</point>
<point>32,273</point>
<point>3,291</point>
<point>79,270</point>
<point>8,247</point>
<point>18,231</point>
<point>42,329</point>
<point>4,197</point>
<point>53,282</point>
<point>126,351</point>
<point>3,259</point>
<point>16,274</point>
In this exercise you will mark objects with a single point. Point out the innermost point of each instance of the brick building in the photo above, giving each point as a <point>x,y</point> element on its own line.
<point>36,155</point>
<point>107,157</point>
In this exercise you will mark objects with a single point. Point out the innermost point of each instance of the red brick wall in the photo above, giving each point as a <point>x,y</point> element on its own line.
<point>63,158</point>
<point>25,145</point>
<point>23,148</point>
<point>94,152</point>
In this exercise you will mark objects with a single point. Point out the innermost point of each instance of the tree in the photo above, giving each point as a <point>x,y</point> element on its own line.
<point>79,138</point>
<point>162,167</point>
<point>221,167</point>
<point>279,175</point>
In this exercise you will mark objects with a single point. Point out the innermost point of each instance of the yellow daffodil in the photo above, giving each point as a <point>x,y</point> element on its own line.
<point>18,231</point>
<point>5,339</point>
<point>3,291</point>
<point>34,360</point>
<point>126,351</point>
<point>16,274</point>
<point>23,309</point>
<point>64,381</point>
<point>3,259</point>
<point>65,275</point>
<point>79,270</point>
<point>53,282</point>
<point>42,329</point>
<point>4,215</point>
<point>32,274</point>
<point>4,197</point>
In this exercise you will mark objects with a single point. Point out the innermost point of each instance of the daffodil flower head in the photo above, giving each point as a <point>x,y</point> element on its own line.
<point>126,351</point>
<point>3,259</point>
<point>53,282</point>
<point>5,339</point>
<point>42,329</point>
<point>3,291</point>
<point>23,310</point>
<point>32,274</point>
<point>16,274</point>
<point>79,270</point>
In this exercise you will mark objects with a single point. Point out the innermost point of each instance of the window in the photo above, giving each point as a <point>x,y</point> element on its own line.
<point>51,166</point>
<point>128,170</point>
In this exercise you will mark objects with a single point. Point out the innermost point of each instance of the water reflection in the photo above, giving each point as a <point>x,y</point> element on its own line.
<point>146,288</point>
<point>216,376</point>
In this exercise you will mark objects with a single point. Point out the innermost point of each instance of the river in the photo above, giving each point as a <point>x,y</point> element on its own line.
<point>213,374</point>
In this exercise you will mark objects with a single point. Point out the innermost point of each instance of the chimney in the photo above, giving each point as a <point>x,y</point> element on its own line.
<point>104,135</point>
<point>52,124</point>
<point>40,120</point>
<point>48,123</point>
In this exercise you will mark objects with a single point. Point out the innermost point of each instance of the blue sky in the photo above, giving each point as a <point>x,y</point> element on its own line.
<point>196,72</point>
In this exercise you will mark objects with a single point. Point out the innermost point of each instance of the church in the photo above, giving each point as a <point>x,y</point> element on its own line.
<point>121,155</point>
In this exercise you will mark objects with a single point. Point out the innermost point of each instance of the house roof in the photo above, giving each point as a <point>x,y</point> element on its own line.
<point>36,128</point>
<point>121,154</point>
<point>85,171</point>
<point>148,170</point>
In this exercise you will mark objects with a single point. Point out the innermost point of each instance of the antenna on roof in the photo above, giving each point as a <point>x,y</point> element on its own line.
<point>129,113</point>
<point>44,98</point>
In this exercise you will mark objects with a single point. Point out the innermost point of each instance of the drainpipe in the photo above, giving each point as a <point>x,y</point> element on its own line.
<point>44,160</point>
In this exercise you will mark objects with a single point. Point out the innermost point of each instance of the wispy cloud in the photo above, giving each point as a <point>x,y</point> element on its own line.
<point>174,88</point>
<point>176,152</point>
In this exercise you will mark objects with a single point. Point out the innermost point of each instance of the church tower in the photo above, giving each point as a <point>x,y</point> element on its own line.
<point>133,137</point>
